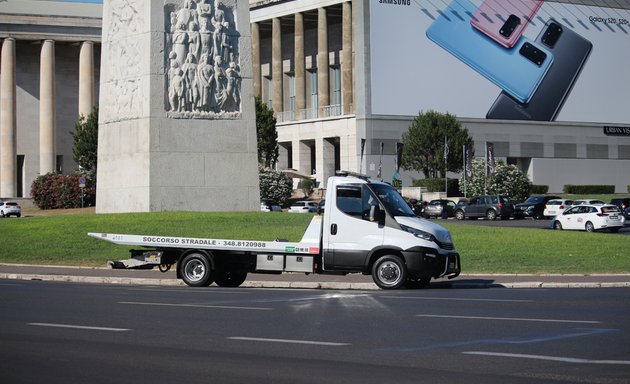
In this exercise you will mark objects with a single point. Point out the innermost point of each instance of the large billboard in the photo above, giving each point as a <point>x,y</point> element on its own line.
<point>501,59</point>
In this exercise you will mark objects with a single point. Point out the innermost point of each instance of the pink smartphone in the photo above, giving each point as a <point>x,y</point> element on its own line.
<point>505,20</point>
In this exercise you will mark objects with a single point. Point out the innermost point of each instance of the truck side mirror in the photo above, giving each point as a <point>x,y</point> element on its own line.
<point>377,214</point>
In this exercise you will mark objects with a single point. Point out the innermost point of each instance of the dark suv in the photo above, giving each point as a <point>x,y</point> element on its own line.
<point>621,202</point>
<point>488,206</point>
<point>534,207</point>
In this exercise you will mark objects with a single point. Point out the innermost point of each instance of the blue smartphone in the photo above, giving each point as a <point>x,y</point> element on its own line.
<point>517,70</point>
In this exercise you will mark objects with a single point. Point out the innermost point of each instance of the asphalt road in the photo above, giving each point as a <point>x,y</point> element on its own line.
<point>73,333</point>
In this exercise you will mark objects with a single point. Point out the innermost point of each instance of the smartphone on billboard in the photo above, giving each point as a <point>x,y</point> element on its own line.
<point>504,21</point>
<point>571,52</point>
<point>518,70</point>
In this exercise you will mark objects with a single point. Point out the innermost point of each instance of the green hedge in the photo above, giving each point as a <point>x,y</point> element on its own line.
<point>588,189</point>
<point>540,189</point>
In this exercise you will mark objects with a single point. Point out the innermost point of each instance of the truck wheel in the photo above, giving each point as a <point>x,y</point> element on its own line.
<point>459,215</point>
<point>420,283</point>
<point>389,272</point>
<point>196,270</point>
<point>230,279</point>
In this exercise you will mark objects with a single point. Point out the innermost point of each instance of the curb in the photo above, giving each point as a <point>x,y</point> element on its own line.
<point>305,285</point>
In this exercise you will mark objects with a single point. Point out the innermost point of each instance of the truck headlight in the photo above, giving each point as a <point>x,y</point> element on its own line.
<point>419,234</point>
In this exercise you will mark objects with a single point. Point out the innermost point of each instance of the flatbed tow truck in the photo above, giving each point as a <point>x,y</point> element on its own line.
<point>367,227</point>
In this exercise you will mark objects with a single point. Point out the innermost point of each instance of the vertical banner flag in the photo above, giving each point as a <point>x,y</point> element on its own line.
<point>399,149</point>
<point>361,160</point>
<point>380,162</point>
<point>445,148</point>
<point>490,156</point>
<point>468,162</point>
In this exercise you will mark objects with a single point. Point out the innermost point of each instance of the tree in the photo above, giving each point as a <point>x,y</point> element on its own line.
<point>423,144</point>
<point>266,134</point>
<point>507,180</point>
<point>85,144</point>
<point>274,185</point>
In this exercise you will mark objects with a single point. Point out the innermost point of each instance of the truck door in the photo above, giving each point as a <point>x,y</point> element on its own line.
<point>349,235</point>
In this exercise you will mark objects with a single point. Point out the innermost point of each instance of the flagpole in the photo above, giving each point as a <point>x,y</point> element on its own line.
<point>445,166</point>
<point>464,168</point>
<point>485,179</point>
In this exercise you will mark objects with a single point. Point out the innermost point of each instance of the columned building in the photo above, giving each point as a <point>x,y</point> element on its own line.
<point>49,67</point>
<point>303,69</point>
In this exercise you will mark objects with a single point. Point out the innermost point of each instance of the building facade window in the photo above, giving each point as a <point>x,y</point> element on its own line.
<point>336,85</point>
<point>314,100</point>
<point>291,85</point>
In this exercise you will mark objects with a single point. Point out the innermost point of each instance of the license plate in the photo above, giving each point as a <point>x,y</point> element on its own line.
<point>552,212</point>
<point>614,217</point>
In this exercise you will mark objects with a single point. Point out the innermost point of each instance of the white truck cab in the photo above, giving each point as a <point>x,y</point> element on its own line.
<point>367,227</point>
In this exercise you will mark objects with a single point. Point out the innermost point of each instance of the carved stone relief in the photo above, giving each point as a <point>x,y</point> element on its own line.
<point>125,21</point>
<point>203,76</point>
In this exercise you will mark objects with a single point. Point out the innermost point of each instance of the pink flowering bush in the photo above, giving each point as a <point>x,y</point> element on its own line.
<point>53,190</point>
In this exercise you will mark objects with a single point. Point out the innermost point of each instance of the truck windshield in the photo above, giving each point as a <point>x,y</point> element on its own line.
<point>392,200</point>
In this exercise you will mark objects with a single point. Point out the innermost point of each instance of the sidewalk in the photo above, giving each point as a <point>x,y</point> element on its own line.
<point>300,280</point>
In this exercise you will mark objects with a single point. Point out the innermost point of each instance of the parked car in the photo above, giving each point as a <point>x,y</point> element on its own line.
<point>621,202</point>
<point>488,206</point>
<point>626,213</point>
<point>533,207</point>
<point>321,207</point>
<point>439,208</point>
<point>556,206</point>
<point>269,206</point>
<point>590,218</point>
<point>10,208</point>
<point>588,201</point>
<point>303,206</point>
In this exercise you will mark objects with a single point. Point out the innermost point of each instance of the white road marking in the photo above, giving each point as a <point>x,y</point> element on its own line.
<point>309,342</point>
<point>457,299</point>
<point>550,358</point>
<point>84,327</point>
<point>513,319</point>
<point>196,306</point>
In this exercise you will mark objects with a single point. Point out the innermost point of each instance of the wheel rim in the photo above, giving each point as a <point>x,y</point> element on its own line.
<point>195,270</point>
<point>491,215</point>
<point>557,225</point>
<point>389,273</point>
<point>589,227</point>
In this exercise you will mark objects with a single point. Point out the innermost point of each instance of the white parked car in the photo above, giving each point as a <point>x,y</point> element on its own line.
<point>10,208</point>
<point>590,217</point>
<point>556,206</point>
<point>588,201</point>
<point>269,206</point>
<point>303,207</point>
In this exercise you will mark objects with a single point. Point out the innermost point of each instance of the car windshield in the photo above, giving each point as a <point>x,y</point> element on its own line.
<point>534,200</point>
<point>392,200</point>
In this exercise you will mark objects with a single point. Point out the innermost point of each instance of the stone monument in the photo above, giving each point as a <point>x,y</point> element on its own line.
<point>177,124</point>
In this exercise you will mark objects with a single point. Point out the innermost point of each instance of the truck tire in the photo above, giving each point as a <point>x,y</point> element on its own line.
<point>389,272</point>
<point>230,279</point>
<point>196,270</point>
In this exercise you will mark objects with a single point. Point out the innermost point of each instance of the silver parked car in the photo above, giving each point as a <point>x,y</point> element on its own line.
<point>303,207</point>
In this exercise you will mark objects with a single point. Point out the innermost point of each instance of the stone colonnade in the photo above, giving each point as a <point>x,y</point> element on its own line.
<point>47,110</point>
<point>322,61</point>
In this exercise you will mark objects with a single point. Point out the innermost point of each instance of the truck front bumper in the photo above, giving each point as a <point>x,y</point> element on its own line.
<point>429,262</point>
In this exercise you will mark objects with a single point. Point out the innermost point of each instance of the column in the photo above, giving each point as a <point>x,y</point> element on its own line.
<point>322,60</point>
<point>276,65</point>
<point>324,159</point>
<point>86,78</point>
<point>8,126</point>
<point>300,79</point>
<point>256,60</point>
<point>47,108</point>
<point>346,59</point>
